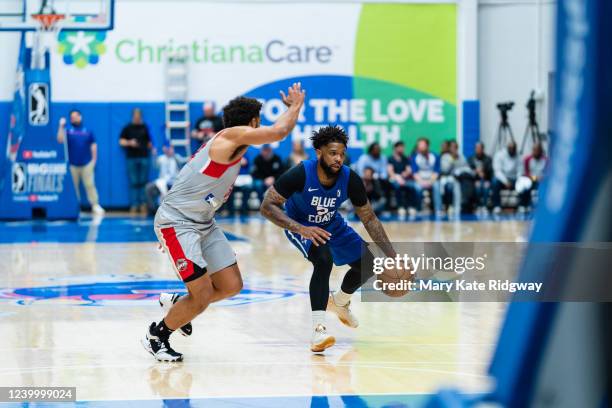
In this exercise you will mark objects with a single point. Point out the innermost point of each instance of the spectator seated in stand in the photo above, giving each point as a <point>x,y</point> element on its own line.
<point>267,167</point>
<point>505,173</point>
<point>446,177</point>
<point>457,182</point>
<point>168,164</point>
<point>400,178</point>
<point>534,167</point>
<point>425,171</point>
<point>373,190</point>
<point>378,163</point>
<point>482,166</point>
<point>244,185</point>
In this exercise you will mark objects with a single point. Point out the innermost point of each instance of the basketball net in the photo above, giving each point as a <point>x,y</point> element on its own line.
<point>46,33</point>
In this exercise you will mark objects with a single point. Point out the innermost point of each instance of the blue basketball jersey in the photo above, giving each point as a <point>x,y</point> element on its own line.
<point>317,205</point>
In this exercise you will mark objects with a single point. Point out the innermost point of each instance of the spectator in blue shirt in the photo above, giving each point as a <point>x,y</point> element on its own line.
<point>378,163</point>
<point>375,161</point>
<point>82,156</point>
<point>425,171</point>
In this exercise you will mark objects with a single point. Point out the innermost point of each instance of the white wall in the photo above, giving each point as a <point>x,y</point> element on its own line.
<point>515,55</point>
<point>9,50</point>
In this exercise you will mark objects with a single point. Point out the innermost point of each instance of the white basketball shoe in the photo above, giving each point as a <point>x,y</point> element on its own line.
<point>321,340</point>
<point>343,312</point>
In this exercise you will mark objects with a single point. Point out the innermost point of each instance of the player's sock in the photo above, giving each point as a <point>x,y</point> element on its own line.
<point>166,301</point>
<point>341,298</point>
<point>157,342</point>
<point>318,318</point>
<point>161,330</point>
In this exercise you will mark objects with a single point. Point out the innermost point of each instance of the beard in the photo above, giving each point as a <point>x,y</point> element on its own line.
<point>328,170</point>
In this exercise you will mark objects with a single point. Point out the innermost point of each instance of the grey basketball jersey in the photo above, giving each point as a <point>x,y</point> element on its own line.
<point>201,187</point>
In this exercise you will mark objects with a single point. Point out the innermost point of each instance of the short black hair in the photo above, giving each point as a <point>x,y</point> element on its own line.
<point>328,134</point>
<point>372,146</point>
<point>240,111</point>
<point>398,143</point>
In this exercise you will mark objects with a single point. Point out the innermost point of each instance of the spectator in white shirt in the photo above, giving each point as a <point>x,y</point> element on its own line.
<point>168,164</point>
<point>506,166</point>
<point>426,171</point>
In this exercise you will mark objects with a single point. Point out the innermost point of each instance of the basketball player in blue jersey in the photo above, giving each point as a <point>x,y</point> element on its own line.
<point>185,225</point>
<point>312,193</point>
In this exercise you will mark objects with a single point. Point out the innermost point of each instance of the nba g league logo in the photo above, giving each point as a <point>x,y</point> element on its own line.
<point>38,112</point>
<point>80,48</point>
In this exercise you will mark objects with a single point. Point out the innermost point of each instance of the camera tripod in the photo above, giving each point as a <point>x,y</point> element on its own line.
<point>504,131</point>
<point>532,128</point>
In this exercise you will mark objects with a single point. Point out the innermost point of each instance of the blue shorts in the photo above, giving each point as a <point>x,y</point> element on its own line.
<point>345,244</point>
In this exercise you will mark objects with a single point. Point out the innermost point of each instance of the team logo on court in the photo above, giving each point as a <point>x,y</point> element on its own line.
<point>126,293</point>
<point>38,107</point>
<point>80,48</point>
<point>181,264</point>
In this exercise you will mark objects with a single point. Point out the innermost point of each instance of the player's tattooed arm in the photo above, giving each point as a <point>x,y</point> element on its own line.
<point>374,227</point>
<point>272,209</point>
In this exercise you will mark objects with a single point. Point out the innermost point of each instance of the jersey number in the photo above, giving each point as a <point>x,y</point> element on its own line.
<point>322,210</point>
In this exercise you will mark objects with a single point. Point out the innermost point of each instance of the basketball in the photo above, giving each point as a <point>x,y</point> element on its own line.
<point>395,282</point>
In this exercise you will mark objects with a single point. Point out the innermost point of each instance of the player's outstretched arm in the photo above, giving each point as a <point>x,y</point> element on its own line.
<point>272,209</point>
<point>375,229</point>
<point>294,100</point>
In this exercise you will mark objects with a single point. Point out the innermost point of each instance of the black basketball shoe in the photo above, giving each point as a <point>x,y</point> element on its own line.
<point>160,348</point>
<point>166,300</point>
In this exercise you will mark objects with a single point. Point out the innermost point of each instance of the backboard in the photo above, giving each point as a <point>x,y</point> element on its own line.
<point>82,15</point>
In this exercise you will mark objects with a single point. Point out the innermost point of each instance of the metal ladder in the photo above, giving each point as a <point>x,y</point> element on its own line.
<point>177,104</point>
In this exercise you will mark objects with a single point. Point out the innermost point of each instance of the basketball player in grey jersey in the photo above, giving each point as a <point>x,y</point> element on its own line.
<point>185,226</point>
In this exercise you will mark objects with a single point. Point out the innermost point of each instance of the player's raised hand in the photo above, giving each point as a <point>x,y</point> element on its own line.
<point>295,95</point>
<point>317,235</point>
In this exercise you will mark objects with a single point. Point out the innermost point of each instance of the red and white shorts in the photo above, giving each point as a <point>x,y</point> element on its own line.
<point>194,253</point>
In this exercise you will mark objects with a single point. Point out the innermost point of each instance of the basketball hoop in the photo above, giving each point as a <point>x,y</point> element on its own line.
<point>48,22</point>
<point>46,33</point>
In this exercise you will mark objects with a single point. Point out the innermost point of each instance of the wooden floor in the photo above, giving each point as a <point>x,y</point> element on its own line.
<point>72,314</point>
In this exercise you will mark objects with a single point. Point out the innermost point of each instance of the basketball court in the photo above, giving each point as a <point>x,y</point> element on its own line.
<point>73,313</point>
